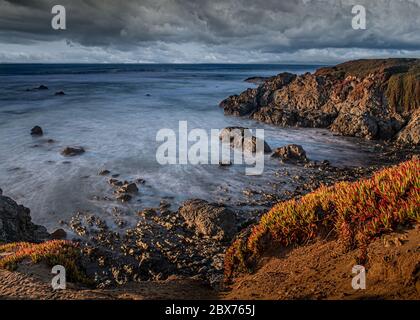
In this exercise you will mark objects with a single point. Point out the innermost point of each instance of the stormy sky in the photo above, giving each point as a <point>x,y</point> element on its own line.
<point>207,31</point>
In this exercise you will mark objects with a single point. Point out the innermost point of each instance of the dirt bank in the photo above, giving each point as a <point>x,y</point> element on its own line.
<point>321,271</point>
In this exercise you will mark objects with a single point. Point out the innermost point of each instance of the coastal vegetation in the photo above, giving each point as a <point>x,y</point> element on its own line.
<point>354,213</point>
<point>54,252</point>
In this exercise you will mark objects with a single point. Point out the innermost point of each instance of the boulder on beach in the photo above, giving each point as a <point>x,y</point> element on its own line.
<point>37,131</point>
<point>291,152</point>
<point>16,224</point>
<point>208,219</point>
<point>241,137</point>
<point>72,151</point>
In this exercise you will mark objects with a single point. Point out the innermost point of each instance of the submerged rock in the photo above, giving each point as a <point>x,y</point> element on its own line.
<point>60,93</point>
<point>209,219</point>
<point>16,225</point>
<point>72,151</point>
<point>37,131</point>
<point>104,172</point>
<point>256,80</point>
<point>128,188</point>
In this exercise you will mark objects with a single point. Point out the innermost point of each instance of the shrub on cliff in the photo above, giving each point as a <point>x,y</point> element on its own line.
<point>353,213</point>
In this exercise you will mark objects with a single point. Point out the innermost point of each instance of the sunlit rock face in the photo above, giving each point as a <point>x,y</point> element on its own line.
<point>372,99</point>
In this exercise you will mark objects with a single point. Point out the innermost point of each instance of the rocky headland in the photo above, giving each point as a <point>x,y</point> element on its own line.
<point>372,99</point>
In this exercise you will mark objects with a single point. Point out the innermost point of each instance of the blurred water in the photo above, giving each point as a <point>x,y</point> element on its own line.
<point>114,112</point>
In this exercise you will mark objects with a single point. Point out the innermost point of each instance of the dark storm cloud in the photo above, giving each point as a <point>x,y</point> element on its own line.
<point>266,26</point>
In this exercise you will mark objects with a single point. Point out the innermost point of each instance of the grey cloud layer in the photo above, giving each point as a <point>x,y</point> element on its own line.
<point>223,27</point>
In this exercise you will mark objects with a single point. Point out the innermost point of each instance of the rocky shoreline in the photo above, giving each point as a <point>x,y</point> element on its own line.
<point>191,241</point>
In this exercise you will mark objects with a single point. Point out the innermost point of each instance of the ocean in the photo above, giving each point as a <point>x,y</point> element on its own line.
<point>115,112</point>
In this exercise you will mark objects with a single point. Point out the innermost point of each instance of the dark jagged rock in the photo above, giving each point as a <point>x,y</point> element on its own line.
<point>37,131</point>
<point>72,151</point>
<point>58,234</point>
<point>60,93</point>
<point>209,219</point>
<point>16,225</point>
<point>292,152</point>
<point>372,99</point>
<point>128,188</point>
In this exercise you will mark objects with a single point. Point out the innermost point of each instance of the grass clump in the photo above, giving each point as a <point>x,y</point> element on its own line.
<point>55,252</point>
<point>353,213</point>
<point>403,91</point>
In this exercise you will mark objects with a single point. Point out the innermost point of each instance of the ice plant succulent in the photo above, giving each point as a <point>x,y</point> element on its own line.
<point>353,213</point>
<point>55,252</point>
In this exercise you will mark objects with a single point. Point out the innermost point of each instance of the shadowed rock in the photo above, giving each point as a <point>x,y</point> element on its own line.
<point>16,225</point>
<point>58,234</point>
<point>37,131</point>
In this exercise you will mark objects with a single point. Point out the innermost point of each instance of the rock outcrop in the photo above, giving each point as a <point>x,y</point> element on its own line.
<point>209,219</point>
<point>372,99</point>
<point>411,132</point>
<point>292,152</point>
<point>16,225</point>
<point>242,138</point>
